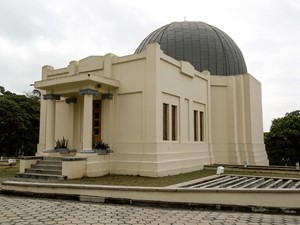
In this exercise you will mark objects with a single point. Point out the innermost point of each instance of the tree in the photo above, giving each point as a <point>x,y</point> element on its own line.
<point>2,89</point>
<point>283,140</point>
<point>19,124</point>
<point>35,94</point>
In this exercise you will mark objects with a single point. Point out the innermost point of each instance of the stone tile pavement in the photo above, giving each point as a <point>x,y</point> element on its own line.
<point>21,210</point>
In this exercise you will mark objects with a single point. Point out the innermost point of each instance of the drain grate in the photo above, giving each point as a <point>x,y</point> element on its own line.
<point>231,181</point>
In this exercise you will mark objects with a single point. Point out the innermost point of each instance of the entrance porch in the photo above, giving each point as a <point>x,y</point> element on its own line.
<point>77,111</point>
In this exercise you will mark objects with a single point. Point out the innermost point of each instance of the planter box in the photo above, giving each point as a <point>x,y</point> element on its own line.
<point>62,150</point>
<point>101,151</point>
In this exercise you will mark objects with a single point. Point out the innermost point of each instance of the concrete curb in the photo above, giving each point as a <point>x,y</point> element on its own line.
<point>267,201</point>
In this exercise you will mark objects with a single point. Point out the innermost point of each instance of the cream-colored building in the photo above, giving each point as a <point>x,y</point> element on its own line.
<point>183,100</point>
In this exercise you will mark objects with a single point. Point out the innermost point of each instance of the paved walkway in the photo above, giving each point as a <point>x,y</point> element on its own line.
<point>18,210</point>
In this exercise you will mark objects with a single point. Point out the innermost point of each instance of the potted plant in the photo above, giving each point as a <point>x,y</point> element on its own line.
<point>101,148</point>
<point>61,145</point>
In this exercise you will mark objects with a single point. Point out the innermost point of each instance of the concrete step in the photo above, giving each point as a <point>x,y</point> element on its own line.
<point>41,176</point>
<point>46,167</point>
<point>51,162</point>
<point>43,171</point>
<point>47,158</point>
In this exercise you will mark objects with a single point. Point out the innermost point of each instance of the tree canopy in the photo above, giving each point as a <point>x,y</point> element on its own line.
<point>283,140</point>
<point>19,123</point>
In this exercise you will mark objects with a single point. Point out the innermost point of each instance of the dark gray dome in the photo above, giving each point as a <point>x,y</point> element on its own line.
<point>204,46</point>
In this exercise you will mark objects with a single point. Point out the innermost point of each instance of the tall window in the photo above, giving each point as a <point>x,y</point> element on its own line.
<point>170,127</point>
<point>165,121</point>
<point>198,125</point>
<point>97,120</point>
<point>174,122</point>
<point>201,127</point>
<point>195,125</point>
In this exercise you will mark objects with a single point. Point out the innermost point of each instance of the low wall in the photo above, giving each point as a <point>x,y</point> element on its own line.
<point>286,200</point>
<point>26,162</point>
<point>73,167</point>
<point>97,165</point>
<point>256,169</point>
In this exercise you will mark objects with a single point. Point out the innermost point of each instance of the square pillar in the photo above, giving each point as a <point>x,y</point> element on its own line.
<point>50,121</point>
<point>71,102</point>
<point>87,132</point>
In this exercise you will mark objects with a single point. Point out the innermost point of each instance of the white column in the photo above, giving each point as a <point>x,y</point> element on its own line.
<point>87,132</point>
<point>42,133</point>
<point>50,120</point>
<point>71,102</point>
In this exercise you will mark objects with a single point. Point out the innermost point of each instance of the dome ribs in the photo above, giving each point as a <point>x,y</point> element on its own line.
<point>204,46</point>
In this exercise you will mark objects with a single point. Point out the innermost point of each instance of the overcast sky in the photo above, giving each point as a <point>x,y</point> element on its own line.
<point>34,33</point>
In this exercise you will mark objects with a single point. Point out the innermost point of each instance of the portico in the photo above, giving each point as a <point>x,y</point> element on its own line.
<point>69,108</point>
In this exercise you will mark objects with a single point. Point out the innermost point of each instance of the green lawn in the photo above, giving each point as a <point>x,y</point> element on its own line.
<point>7,172</point>
<point>122,180</point>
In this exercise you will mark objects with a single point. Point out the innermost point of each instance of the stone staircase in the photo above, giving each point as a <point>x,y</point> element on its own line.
<point>48,168</point>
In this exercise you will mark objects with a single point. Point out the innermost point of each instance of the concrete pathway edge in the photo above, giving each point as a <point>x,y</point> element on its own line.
<point>282,201</point>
